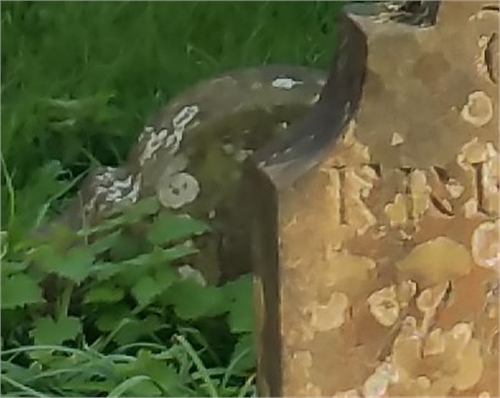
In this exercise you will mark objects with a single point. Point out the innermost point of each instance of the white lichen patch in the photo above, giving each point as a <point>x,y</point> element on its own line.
<point>177,190</point>
<point>188,272</point>
<point>478,110</point>
<point>485,245</point>
<point>256,86</point>
<point>384,306</point>
<point>146,132</point>
<point>396,139</point>
<point>156,141</point>
<point>228,149</point>
<point>180,122</point>
<point>164,139</point>
<point>315,98</point>
<point>184,117</point>
<point>112,187</point>
<point>331,315</point>
<point>286,83</point>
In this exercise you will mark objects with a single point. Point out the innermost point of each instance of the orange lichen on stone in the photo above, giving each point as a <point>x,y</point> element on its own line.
<point>405,291</point>
<point>481,160</point>
<point>436,363</point>
<point>396,211</point>
<point>396,139</point>
<point>300,365</point>
<point>491,180</point>
<point>351,151</point>
<point>348,274</point>
<point>454,188</point>
<point>330,316</point>
<point>347,394</point>
<point>478,110</point>
<point>472,152</point>
<point>384,306</point>
<point>485,245</point>
<point>428,301</point>
<point>377,383</point>
<point>434,344</point>
<point>436,261</point>
<point>420,193</point>
<point>358,185</point>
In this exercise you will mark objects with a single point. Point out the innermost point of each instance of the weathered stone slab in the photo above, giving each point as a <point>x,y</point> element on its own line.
<point>375,228</point>
<point>190,153</point>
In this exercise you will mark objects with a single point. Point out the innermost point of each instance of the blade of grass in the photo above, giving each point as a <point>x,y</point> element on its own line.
<point>199,364</point>
<point>22,387</point>
<point>127,385</point>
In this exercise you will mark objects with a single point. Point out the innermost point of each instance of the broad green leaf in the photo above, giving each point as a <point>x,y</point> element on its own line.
<point>146,289</point>
<point>243,356</point>
<point>102,271</point>
<point>179,251</point>
<point>105,243</point>
<point>19,290</point>
<point>168,228</point>
<point>104,293</point>
<point>162,256</point>
<point>76,264</point>
<point>239,294</point>
<point>30,200</point>
<point>165,276</point>
<point>125,248</point>
<point>159,371</point>
<point>108,318</point>
<point>135,329</point>
<point>143,208</point>
<point>13,267</point>
<point>193,301</point>
<point>48,331</point>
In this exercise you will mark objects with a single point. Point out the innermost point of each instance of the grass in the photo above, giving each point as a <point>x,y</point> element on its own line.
<point>78,81</point>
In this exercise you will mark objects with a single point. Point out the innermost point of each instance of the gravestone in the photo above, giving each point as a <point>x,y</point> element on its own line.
<point>189,156</point>
<point>374,223</point>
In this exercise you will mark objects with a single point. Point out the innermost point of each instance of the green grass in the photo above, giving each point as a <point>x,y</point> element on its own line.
<point>79,79</point>
<point>123,61</point>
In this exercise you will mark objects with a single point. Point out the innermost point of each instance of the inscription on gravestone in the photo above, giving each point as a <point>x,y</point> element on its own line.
<point>375,231</point>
